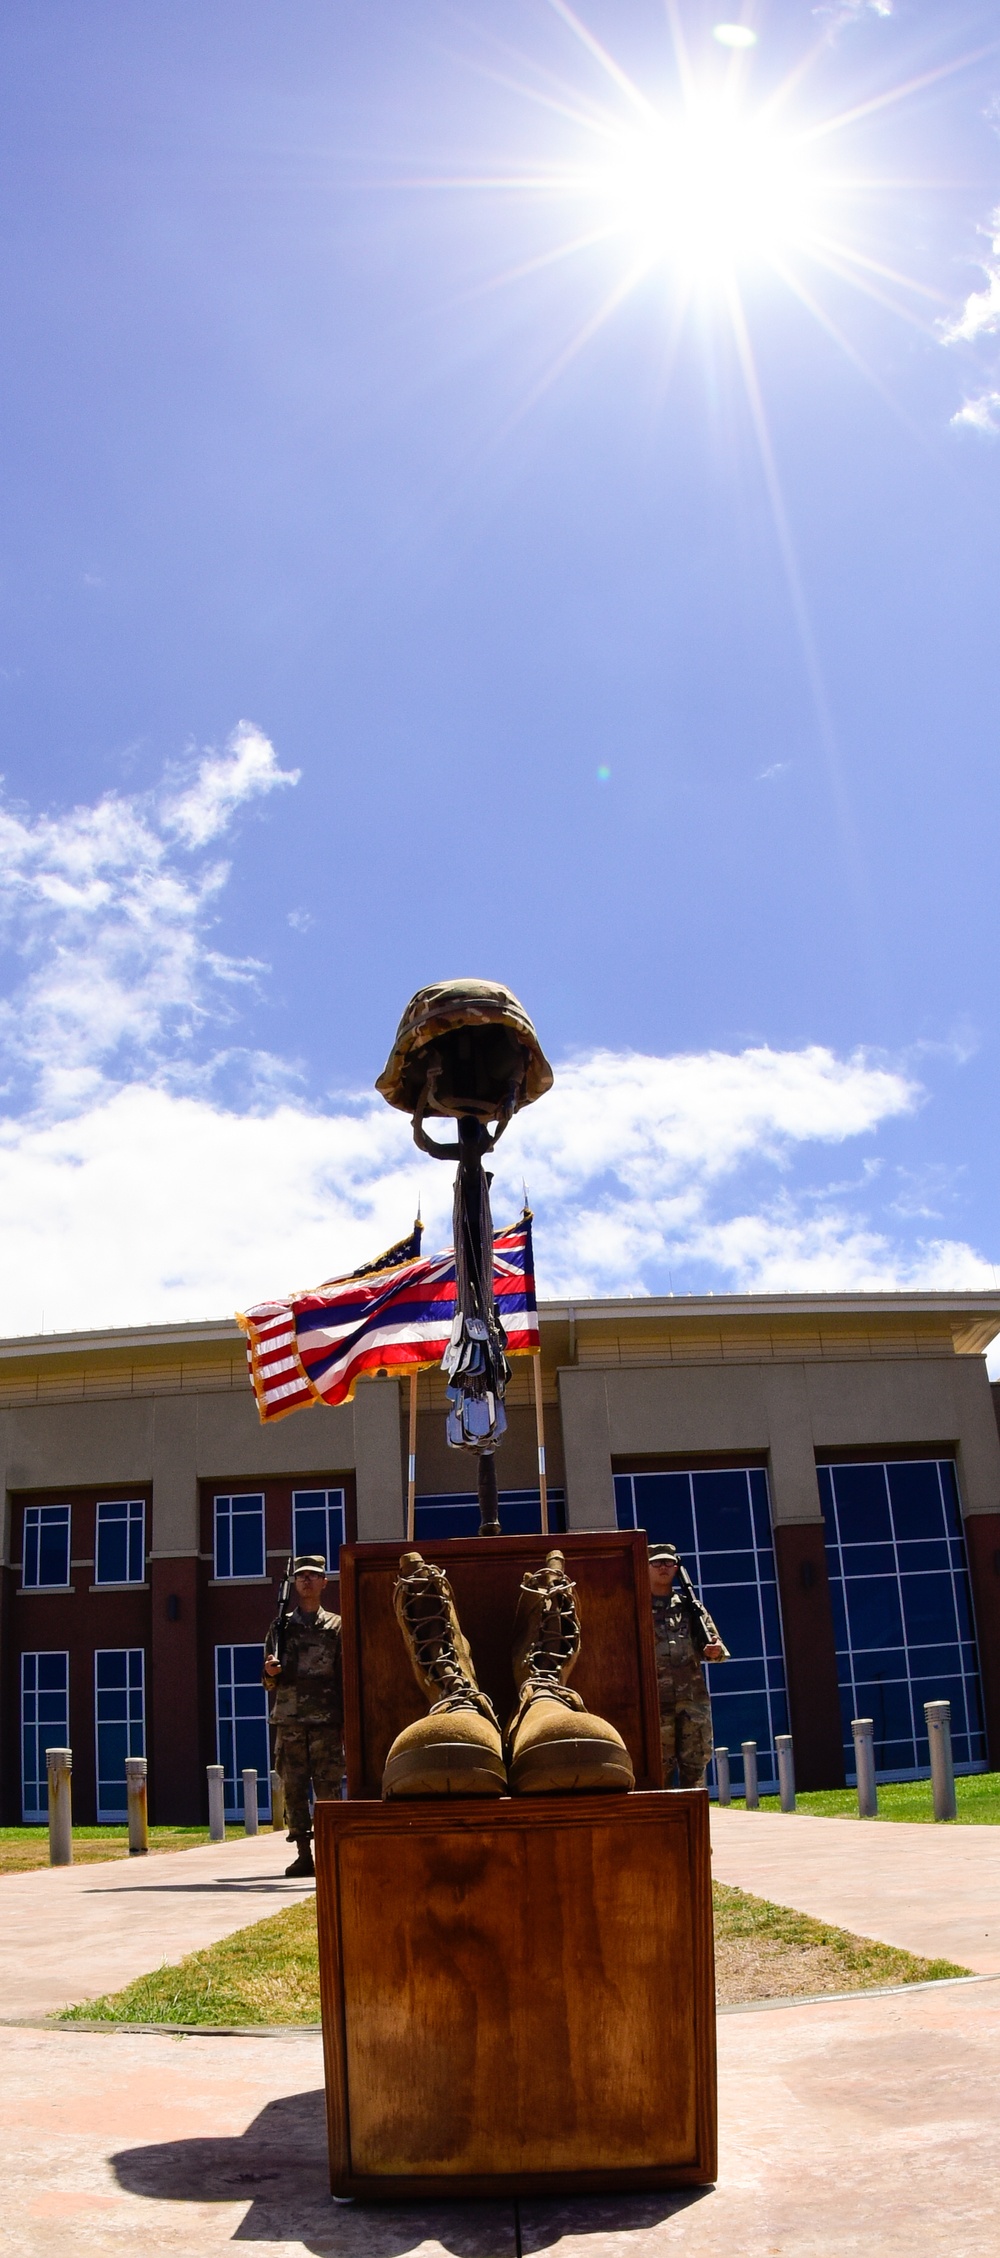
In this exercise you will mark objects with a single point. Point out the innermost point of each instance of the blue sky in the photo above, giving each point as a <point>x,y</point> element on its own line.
<point>497,488</point>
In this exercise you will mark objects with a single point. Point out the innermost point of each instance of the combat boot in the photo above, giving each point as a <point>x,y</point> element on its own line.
<point>302,1866</point>
<point>553,1742</point>
<point>456,1749</point>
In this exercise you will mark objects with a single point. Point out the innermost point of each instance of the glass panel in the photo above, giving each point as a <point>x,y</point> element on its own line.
<point>874,1613</point>
<point>929,1609</point>
<point>248,1536</point>
<point>920,1557</point>
<point>624,1502</point>
<point>862,1505</point>
<point>663,1509</point>
<point>869,1560</point>
<point>722,1511</point>
<point>318,1523</point>
<point>242,1725</point>
<point>112,1544</point>
<point>916,1499</point>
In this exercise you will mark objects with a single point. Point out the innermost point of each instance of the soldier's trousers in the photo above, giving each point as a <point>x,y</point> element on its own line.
<point>303,1753</point>
<point>685,1733</point>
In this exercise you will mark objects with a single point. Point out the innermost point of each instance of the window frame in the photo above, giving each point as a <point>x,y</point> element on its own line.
<point>105,1815</point>
<point>131,1506</point>
<point>234,1807</point>
<point>33,1519</point>
<point>315,1490</point>
<point>39,1817</point>
<point>227,1499</point>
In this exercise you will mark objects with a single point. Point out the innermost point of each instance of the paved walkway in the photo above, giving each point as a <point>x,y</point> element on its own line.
<point>68,1933</point>
<point>863,2128</point>
<point>933,1890</point>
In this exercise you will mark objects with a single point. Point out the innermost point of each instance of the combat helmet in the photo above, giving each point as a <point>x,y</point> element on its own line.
<point>465,1047</point>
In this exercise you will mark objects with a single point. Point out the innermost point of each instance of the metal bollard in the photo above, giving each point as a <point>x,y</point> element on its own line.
<point>752,1790</point>
<point>216,1802</point>
<point>864,1765</point>
<point>59,1766</point>
<point>786,1770</point>
<point>250,1802</point>
<point>722,1779</point>
<point>138,1816</point>
<point>938,1715</point>
<point>277,1803</point>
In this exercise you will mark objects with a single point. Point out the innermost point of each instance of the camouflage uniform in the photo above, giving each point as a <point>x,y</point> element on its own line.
<point>685,1709</point>
<point>308,1711</point>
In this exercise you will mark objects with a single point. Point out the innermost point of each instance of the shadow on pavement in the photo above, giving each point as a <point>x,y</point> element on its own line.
<point>279,2168</point>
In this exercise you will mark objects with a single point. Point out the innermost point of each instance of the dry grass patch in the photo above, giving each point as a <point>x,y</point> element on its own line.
<point>765,1951</point>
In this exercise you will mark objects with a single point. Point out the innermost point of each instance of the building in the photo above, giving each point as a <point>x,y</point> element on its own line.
<point>829,1465</point>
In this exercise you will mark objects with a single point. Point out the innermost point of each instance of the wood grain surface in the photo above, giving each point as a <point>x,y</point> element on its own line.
<point>615,1673</point>
<point>517,1997</point>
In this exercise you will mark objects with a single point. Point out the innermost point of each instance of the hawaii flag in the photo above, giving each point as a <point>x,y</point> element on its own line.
<point>314,1347</point>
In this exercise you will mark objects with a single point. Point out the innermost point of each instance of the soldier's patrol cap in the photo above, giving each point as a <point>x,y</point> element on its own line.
<point>664,1552</point>
<point>309,1564</point>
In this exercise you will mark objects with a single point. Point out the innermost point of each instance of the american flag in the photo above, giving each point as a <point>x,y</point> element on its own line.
<point>314,1347</point>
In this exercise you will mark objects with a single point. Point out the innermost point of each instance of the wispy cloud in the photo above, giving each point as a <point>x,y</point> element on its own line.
<point>130,1192</point>
<point>982,414</point>
<point>224,782</point>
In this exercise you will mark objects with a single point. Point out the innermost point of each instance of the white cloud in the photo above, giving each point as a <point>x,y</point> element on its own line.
<point>982,414</point>
<point>980,315</point>
<point>130,1194</point>
<point>224,782</point>
<point>109,919</point>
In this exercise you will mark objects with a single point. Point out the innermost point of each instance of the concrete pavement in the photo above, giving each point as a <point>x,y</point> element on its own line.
<point>69,1933</point>
<point>932,1890</point>
<point>861,2128</point>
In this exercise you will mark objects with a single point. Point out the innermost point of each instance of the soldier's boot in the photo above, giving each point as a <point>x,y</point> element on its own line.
<point>302,1866</point>
<point>553,1741</point>
<point>456,1749</point>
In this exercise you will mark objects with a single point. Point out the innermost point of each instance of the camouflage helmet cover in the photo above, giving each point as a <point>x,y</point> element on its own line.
<point>482,1020</point>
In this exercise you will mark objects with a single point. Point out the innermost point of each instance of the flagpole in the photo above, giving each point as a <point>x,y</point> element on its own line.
<point>411,1479</point>
<point>543,1492</point>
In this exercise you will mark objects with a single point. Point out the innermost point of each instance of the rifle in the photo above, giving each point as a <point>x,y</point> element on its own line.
<point>278,1633</point>
<point>703,1621</point>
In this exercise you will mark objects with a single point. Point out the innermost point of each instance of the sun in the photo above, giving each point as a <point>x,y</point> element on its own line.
<point>709,191</point>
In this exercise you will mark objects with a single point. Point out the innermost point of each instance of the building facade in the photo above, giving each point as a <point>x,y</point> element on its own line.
<point>828,1465</point>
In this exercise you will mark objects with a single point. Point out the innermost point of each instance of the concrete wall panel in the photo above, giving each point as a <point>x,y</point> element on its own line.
<point>586,1437</point>
<point>48,1446</point>
<point>379,1461</point>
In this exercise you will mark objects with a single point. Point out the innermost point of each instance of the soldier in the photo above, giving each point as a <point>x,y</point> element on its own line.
<point>685,1637</point>
<point>307,1706</point>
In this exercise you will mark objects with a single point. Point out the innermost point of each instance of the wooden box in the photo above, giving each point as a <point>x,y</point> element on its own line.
<point>518,1996</point>
<point>615,1673</point>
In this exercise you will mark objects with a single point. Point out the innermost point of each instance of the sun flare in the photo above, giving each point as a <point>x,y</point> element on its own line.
<point>709,191</point>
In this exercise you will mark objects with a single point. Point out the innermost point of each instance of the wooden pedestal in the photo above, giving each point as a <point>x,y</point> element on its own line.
<point>518,1996</point>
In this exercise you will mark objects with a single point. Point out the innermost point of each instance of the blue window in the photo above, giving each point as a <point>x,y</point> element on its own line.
<point>44,1724</point>
<point>239,1535</point>
<point>456,1513</point>
<point>120,1720</point>
<point>121,1546</point>
<point>720,1521</point>
<point>241,1725</point>
<point>46,1547</point>
<point>318,1524</point>
<point>901,1609</point>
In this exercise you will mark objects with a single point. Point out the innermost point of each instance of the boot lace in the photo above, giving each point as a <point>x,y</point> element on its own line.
<point>427,1615</point>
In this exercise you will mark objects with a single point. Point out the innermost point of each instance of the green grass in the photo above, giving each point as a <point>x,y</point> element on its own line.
<point>268,1974</point>
<point>978,1799</point>
<point>24,1848</point>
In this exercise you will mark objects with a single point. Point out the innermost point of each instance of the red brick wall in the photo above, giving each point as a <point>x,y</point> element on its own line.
<point>810,1654</point>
